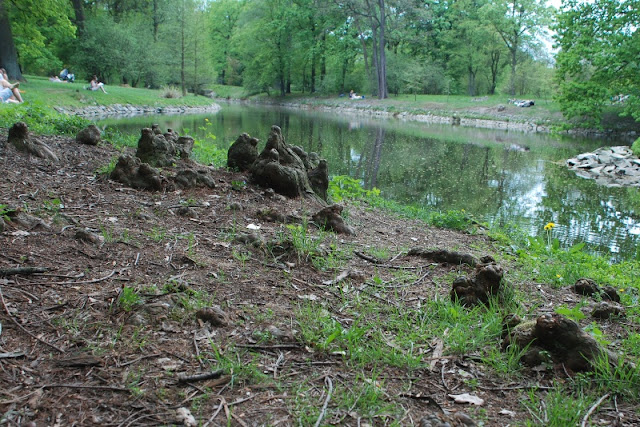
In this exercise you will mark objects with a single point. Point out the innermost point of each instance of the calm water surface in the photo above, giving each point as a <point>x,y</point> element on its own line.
<point>502,177</point>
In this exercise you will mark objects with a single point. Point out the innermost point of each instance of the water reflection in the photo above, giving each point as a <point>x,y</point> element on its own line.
<point>501,177</point>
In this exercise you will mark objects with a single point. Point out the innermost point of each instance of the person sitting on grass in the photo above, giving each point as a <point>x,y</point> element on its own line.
<point>5,85</point>
<point>95,84</point>
<point>7,96</point>
<point>353,95</point>
<point>66,76</point>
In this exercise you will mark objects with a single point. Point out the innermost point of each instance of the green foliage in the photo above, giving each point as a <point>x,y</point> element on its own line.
<point>209,154</point>
<point>40,33</point>
<point>170,92</point>
<point>635,147</point>
<point>597,60</point>
<point>572,313</point>
<point>621,379</point>
<point>344,187</point>
<point>41,119</point>
<point>128,298</point>
<point>555,408</point>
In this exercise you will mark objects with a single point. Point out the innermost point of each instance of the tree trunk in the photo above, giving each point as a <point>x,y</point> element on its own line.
<point>365,54</point>
<point>514,62</point>
<point>182,60</point>
<point>78,8</point>
<point>156,19</point>
<point>495,67</point>
<point>383,92</point>
<point>323,59</point>
<point>313,71</point>
<point>8,53</point>
<point>471,88</point>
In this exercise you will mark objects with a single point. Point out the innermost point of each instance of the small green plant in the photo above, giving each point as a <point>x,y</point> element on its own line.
<point>107,234</point>
<point>243,256</point>
<point>157,234</point>
<point>128,298</point>
<point>548,230</point>
<point>452,219</point>
<point>108,168</point>
<point>597,333</point>
<point>572,313</point>
<point>52,205</point>
<point>171,92</point>
<point>344,187</point>
<point>238,185</point>
<point>208,153</point>
<point>4,211</point>
<point>635,147</point>
<point>619,378</point>
<point>555,408</point>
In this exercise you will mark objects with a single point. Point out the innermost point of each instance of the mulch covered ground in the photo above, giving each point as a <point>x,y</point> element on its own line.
<point>137,308</point>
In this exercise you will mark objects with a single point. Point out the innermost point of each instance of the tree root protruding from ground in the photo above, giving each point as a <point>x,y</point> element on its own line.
<point>559,338</point>
<point>329,219</point>
<point>442,255</point>
<point>485,283</point>
<point>21,138</point>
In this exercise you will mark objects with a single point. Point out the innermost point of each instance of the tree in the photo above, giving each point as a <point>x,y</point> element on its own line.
<point>518,22</point>
<point>8,53</point>
<point>599,57</point>
<point>224,15</point>
<point>30,31</point>
<point>267,39</point>
<point>374,12</point>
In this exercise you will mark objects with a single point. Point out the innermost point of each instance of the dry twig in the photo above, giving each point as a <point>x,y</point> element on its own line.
<point>327,381</point>
<point>593,409</point>
<point>22,327</point>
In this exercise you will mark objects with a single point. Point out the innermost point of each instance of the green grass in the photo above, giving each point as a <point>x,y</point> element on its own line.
<point>39,90</point>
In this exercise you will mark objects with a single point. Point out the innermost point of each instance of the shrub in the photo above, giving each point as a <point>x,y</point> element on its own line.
<point>635,147</point>
<point>171,92</point>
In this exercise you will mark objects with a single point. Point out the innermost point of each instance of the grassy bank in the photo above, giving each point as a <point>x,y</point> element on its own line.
<point>39,91</point>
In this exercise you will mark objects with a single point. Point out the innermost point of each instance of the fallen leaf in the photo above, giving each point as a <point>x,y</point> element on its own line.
<point>467,398</point>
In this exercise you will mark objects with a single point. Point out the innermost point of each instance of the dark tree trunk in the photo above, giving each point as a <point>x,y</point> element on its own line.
<point>471,88</point>
<point>313,72</point>
<point>78,8</point>
<point>495,67</point>
<point>8,53</point>
<point>182,48</point>
<point>156,20</point>
<point>323,60</point>
<point>383,92</point>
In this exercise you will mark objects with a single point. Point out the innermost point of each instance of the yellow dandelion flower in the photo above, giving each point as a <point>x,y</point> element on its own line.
<point>549,226</point>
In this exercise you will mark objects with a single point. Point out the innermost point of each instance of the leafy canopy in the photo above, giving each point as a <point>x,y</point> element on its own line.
<point>599,57</point>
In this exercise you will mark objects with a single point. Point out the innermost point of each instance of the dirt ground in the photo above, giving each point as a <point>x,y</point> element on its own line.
<point>108,327</point>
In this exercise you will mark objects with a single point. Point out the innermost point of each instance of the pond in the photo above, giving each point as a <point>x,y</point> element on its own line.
<point>507,178</point>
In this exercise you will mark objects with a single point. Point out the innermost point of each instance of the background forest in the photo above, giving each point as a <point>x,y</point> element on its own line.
<point>328,47</point>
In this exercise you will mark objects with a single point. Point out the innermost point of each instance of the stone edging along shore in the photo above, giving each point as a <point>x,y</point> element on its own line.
<point>103,111</point>
<point>453,119</point>
<point>119,110</point>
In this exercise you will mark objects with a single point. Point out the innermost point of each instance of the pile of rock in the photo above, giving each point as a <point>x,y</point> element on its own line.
<point>610,166</point>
